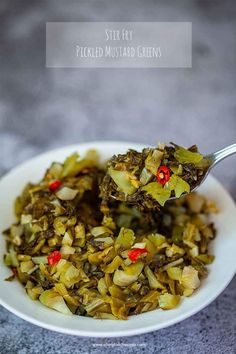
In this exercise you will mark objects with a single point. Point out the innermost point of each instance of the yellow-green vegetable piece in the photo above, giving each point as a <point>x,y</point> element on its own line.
<point>177,184</point>
<point>128,275</point>
<point>174,273</point>
<point>52,299</point>
<point>122,180</point>
<point>168,301</point>
<point>206,258</point>
<point>157,192</point>
<point>153,161</point>
<point>183,155</point>
<point>189,278</point>
<point>145,176</point>
<point>153,282</point>
<point>125,239</point>
<point>157,239</point>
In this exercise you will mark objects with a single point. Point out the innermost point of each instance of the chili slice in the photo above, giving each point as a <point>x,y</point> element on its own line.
<point>55,185</point>
<point>54,257</point>
<point>163,174</point>
<point>135,253</point>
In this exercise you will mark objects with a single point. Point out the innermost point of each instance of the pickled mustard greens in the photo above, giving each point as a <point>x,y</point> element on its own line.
<point>149,178</point>
<point>78,253</point>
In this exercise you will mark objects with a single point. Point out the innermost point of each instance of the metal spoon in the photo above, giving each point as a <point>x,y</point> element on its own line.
<point>213,159</point>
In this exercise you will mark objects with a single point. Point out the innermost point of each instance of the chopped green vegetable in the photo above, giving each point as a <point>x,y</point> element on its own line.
<point>189,278</point>
<point>168,301</point>
<point>55,301</point>
<point>153,161</point>
<point>179,186</point>
<point>123,181</point>
<point>158,193</point>
<point>183,155</point>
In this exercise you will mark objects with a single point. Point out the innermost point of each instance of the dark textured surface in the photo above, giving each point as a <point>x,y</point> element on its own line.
<point>45,108</point>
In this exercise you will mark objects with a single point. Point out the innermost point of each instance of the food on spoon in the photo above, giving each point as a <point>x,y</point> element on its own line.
<point>79,255</point>
<point>149,178</point>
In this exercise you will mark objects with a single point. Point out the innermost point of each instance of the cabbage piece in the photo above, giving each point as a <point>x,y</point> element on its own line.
<point>26,219</point>
<point>174,249</point>
<point>23,257</point>
<point>61,289</point>
<point>52,299</point>
<point>94,305</point>
<point>118,307</point>
<point>189,232</point>
<point>102,286</point>
<point>194,252</point>
<point>177,184</point>
<point>115,291</point>
<point>151,296</point>
<point>174,273</point>
<point>128,275</point>
<point>66,193</point>
<point>125,239</point>
<point>153,282</point>
<point>59,225</point>
<point>103,241</point>
<point>158,193</point>
<point>168,301</point>
<point>80,235</point>
<point>72,165</point>
<point>40,259</point>
<point>71,300</point>
<point>33,292</point>
<point>54,172</point>
<point>145,176</point>
<point>67,239</point>
<point>153,161</point>
<point>100,230</point>
<point>26,266</point>
<point>69,274</point>
<point>114,265</point>
<point>173,264</point>
<point>157,239</point>
<point>10,259</point>
<point>183,155</point>
<point>65,249</point>
<point>98,257</point>
<point>122,180</point>
<point>206,258</point>
<point>139,245</point>
<point>187,292</point>
<point>189,278</point>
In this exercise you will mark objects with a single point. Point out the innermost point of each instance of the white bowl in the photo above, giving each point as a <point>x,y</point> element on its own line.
<point>14,298</point>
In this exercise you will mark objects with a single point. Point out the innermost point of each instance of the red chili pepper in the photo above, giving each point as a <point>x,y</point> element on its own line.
<point>55,185</point>
<point>163,174</point>
<point>54,257</point>
<point>135,253</point>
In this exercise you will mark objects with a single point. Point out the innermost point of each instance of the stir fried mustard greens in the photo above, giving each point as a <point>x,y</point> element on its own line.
<point>149,178</point>
<point>80,255</point>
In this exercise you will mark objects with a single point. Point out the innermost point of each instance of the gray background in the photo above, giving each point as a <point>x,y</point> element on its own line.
<point>45,108</point>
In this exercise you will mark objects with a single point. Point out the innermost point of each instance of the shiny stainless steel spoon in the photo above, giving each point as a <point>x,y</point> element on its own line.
<point>213,159</point>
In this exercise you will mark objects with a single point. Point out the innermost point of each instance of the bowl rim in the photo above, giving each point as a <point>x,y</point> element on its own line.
<point>125,332</point>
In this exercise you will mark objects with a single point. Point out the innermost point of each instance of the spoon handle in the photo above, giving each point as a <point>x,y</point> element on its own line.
<point>222,154</point>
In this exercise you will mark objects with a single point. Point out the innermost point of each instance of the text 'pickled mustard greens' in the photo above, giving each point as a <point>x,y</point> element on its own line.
<point>149,178</point>
<point>80,255</point>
